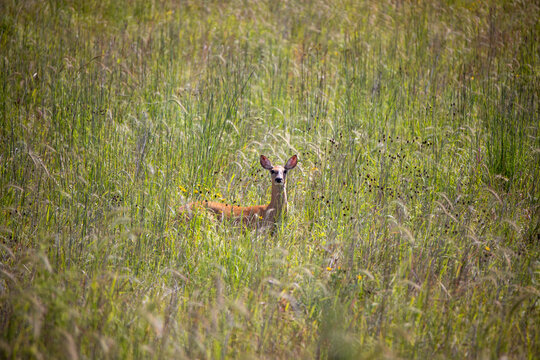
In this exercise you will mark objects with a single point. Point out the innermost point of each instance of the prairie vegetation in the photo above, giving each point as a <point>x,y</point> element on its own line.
<point>413,223</point>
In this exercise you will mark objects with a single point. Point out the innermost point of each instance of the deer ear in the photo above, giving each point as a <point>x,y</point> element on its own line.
<point>265,163</point>
<point>291,163</point>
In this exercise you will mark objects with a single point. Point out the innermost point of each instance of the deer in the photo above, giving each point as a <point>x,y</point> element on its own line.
<point>259,215</point>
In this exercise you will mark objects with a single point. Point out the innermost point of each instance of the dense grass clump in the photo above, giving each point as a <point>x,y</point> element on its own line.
<point>414,219</point>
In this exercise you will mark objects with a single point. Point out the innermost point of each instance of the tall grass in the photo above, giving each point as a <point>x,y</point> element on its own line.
<point>413,223</point>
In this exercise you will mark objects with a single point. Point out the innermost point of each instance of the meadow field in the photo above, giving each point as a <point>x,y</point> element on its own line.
<point>414,215</point>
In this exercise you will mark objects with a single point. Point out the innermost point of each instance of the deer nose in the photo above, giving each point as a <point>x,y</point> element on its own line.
<point>279,180</point>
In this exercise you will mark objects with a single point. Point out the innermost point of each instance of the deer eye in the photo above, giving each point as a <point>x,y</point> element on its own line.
<point>284,171</point>
<point>273,172</point>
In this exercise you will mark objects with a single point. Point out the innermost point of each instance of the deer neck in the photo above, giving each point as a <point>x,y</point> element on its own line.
<point>278,203</point>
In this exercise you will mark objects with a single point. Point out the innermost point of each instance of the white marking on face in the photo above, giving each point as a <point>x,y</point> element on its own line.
<point>279,175</point>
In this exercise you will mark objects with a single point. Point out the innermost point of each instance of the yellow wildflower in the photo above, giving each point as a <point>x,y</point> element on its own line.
<point>359,277</point>
<point>328,268</point>
<point>487,248</point>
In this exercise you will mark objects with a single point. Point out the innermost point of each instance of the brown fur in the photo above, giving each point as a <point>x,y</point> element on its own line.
<point>248,215</point>
<point>251,215</point>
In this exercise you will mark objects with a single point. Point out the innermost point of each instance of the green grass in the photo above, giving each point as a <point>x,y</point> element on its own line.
<point>414,218</point>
